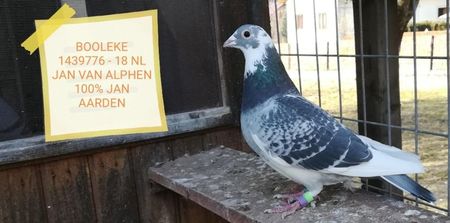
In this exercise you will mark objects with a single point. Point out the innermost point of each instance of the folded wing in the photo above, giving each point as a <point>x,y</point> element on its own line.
<point>303,135</point>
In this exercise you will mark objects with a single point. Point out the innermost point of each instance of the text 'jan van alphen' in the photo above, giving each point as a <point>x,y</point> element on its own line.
<point>102,75</point>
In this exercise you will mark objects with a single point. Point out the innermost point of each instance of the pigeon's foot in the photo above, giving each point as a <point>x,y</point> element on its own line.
<point>348,184</point>
<point>289,198</point>
<point>294,203</point>
<point>285,210</point>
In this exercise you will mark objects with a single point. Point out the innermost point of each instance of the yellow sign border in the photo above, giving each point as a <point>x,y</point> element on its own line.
<point>45,90</point>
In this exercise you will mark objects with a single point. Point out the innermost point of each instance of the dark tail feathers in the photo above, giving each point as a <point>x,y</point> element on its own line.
<point>405,183</point>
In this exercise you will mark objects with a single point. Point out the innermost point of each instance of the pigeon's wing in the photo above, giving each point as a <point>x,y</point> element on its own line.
<point>302,134</point>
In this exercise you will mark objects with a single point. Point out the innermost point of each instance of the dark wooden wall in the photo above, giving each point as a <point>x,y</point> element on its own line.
<point>110,185</point>
<point>188,53</point>
<point>20,79</point>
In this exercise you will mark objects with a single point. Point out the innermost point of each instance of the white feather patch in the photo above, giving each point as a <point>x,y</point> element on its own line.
<point>393,151</point>
<point>381,164</point>
<point>254,56</point>
<point>311,179</point>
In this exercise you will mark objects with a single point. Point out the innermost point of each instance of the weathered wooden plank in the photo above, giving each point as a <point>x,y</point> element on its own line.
<point>186,145</point>
<point>210,140</point>
<point>21,198</point>
<point>245,147</point>
<point>230,137</point>
<point>156,204</point>
<point>21,150</point>
<point>190,212</point>
<point>113,187</point>
<point>67,190</point>
<point>239,187</point>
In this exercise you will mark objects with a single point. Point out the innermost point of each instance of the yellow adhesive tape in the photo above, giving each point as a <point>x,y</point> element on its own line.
<point>47,28</point>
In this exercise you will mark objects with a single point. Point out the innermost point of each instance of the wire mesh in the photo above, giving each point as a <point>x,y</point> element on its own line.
<point>415,130</point>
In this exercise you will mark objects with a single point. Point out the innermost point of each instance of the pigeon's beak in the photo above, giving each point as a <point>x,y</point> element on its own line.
<point>231,42</point>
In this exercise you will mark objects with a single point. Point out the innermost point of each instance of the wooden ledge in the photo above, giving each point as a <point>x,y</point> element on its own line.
<point>33,148</point>
<point>239,187</point>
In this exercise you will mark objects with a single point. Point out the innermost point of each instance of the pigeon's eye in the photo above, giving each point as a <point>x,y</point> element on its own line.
<point>246,34</point>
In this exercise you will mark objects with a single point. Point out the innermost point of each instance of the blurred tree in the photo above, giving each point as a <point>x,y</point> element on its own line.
<point>405,10</point>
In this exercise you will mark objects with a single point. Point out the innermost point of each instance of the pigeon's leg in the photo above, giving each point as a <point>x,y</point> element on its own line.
<point>292,195</point>
<point>289,197</point>
<point>299,202</point>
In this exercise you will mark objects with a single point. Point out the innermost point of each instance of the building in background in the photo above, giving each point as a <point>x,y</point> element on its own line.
<point>300,24</point>
<point>429,10</point>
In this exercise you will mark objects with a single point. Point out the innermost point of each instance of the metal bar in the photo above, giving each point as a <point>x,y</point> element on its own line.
<point>361,58</point>
<point>298,50</point>
<point>328,55</point>
<point>338,59</point>
<point>365,56</point>
<point>317,52</point>
<point>388,81</point>
<point>361,41</point>
<point>416,111</point>
<point>278,29</point>
<point>432,52</point>
<point>388,84</point>
<point>445,135</point>
<point>448,105</point>
<point>386,56</point>
<point>410,199</point>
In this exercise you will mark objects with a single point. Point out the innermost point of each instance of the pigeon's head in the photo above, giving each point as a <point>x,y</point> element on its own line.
<point>254,42</point>
<point>248,38</point>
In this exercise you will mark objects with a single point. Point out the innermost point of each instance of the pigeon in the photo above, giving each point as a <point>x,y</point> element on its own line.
<point>300,140</point>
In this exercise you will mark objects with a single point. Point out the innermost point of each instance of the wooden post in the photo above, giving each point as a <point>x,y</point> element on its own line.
<point>432,52</point>
<point>374,71</point>
<point>328,55</point>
